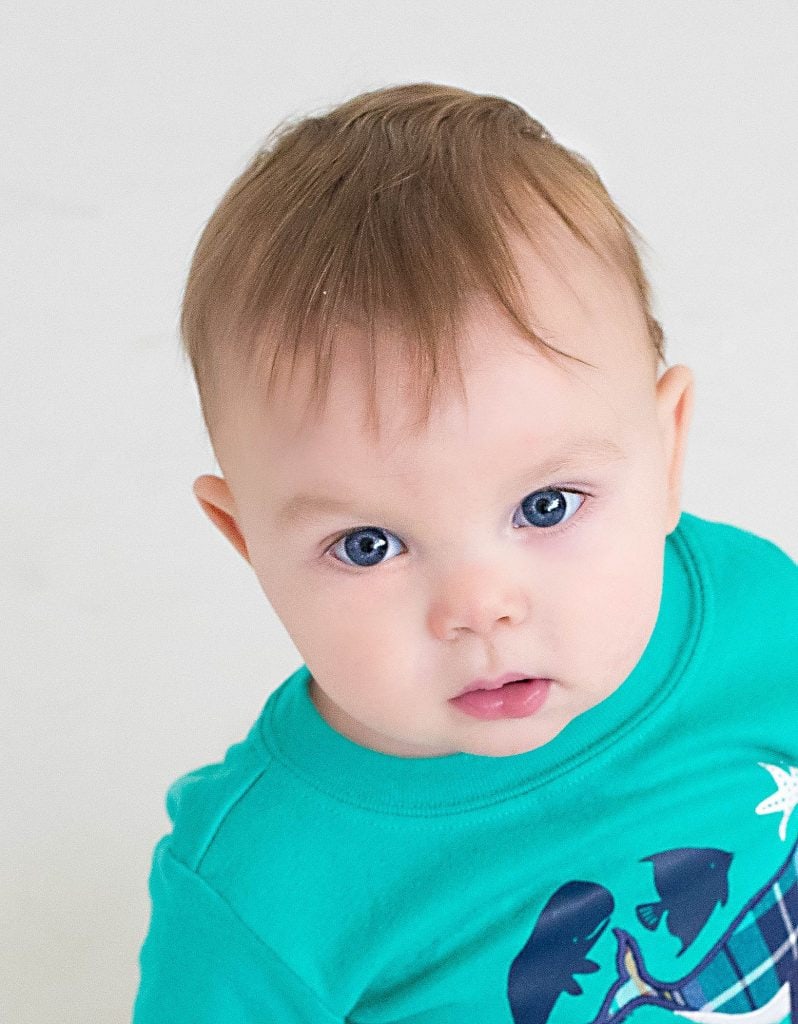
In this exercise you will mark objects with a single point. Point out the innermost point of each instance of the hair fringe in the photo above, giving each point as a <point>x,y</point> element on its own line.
<point>387,215</point>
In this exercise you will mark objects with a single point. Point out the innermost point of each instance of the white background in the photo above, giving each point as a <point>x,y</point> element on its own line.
<point>135,643</point>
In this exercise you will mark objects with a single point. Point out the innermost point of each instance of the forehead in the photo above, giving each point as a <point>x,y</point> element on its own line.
<point>574,301</point>
<point>570,296</point>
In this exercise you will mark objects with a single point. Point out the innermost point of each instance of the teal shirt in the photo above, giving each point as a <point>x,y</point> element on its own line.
<point>640,865</point>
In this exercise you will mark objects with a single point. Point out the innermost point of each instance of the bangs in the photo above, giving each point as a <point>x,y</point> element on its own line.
<point>384,220</point>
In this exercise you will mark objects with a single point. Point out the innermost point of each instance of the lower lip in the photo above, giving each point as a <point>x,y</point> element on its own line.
<point>513,700</point>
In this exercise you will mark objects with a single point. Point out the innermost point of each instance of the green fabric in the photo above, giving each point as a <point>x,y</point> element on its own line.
<point>309,879</point>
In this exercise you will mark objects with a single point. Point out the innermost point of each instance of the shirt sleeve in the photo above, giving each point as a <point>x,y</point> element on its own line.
<point>201,964</point>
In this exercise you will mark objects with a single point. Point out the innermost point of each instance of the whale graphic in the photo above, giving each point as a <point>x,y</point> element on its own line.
<point>568,927</point>
<point>750,974</point>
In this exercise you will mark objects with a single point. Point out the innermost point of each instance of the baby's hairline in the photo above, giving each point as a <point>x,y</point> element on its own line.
<point>447,384</point>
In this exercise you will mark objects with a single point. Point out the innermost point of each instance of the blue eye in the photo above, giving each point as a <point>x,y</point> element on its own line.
<point>546,509</point>
<point>365,546</point>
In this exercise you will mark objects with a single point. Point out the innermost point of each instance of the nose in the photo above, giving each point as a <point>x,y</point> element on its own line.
<point>478,601</point>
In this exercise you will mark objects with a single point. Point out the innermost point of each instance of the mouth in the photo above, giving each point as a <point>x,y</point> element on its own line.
<point>495,684</point>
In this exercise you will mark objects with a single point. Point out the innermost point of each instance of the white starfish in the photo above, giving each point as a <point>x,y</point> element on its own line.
<point>784,799</point>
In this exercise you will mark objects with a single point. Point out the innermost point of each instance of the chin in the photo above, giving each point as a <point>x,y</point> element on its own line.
<point>506,748</point>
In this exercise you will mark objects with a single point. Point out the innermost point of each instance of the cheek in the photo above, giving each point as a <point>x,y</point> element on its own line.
<point>620,611</point>
<point>338,623</point>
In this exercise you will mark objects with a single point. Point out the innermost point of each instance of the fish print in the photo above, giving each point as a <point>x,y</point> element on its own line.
<point>568,927</point>
<point>691,882</point>
<point>749,974</point>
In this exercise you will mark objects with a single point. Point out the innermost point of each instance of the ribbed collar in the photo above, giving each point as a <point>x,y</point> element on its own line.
<point>296,734</point>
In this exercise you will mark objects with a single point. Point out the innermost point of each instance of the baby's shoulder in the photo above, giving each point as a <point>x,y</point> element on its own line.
<point>214,798</point>
<point>749,596</point>
<point>260,838</point>
<point>747,658</point>
<point>741,564</point>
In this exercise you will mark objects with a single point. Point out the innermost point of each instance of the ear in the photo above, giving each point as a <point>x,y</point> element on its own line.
<point>675,390</point>
<point>217,503</point>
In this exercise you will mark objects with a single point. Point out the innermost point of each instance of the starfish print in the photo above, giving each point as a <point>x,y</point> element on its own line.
<point>784,799</point>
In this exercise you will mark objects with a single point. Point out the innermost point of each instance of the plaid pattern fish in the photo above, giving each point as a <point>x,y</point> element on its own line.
<point>743,972</point>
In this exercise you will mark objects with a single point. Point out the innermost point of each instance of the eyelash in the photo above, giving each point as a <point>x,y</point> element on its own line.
<point>551,531</point>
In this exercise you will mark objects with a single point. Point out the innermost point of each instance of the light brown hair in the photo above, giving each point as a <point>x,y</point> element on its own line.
<point>388,212</point>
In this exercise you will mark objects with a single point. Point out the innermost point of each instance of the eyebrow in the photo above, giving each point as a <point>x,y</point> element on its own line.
<point>599,450</point>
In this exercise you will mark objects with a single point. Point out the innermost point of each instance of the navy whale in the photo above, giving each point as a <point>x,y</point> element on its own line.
<point>568,927</point>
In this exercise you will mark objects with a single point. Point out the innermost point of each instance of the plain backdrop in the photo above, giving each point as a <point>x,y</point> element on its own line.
<point>135,643</point>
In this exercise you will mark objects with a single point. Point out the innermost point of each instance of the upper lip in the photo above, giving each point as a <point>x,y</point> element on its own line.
<point>494,684</point>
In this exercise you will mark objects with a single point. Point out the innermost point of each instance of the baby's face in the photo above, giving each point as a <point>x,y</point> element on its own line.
<point>499,539</point>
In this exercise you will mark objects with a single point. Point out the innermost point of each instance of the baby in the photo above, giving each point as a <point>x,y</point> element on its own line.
<point>540,759</point>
